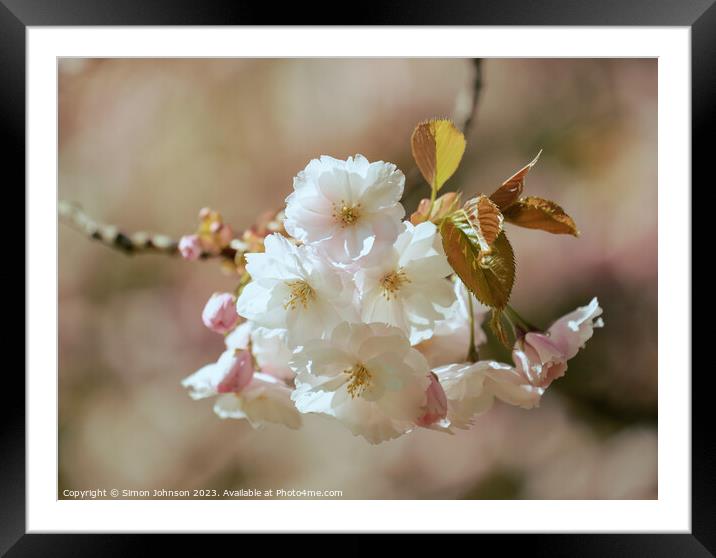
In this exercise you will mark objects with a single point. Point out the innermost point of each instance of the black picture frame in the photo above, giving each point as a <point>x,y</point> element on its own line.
<point>17,15</point>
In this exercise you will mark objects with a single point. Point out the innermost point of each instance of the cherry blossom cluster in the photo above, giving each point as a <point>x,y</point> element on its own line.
<point>350,311</point>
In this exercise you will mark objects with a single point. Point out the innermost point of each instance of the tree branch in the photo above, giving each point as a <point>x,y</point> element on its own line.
<point>130,244</point>
<point>475,97</point>
<point>147,243</point>
<point>109,235</point>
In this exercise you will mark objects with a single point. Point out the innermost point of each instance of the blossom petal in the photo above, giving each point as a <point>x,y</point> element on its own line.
<point>266,400</point>
<point>572,331</point>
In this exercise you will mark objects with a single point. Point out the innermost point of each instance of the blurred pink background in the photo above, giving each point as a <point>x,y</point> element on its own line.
<point>146,143</point>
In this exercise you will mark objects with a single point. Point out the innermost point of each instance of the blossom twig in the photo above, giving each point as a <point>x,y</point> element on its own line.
<point>130,244</point>
<point>476,89</point>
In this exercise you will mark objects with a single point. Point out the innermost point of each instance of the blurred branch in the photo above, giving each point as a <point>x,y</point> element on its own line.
<point>474,95</point>
<point>147,243</point>
<point>111,236</point>
<point>130,244</point>
<point>464,116</point>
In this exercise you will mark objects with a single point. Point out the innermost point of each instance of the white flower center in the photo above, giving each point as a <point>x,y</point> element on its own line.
<point>359,381</point>
<point>301,293</point>
<point>392,282</point>
<point>345,214</point>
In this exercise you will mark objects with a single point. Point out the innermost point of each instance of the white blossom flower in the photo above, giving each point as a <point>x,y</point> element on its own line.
<point>407,288</point>
<point>293,288</point>
<point>269,347</point>
<point>240,336</point>
<point>265,400</point>
<point>471,388</point>
<point>451,338</point>
<point>347,208</point>
<point>542,357</point>
<point>243,393</point>
<point>365,375</point>
<point>272,353</point>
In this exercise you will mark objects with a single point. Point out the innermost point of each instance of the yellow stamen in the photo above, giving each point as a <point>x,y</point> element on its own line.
<point>360,380</point>
<point>301,293</point>
<point>392,282</point>
<point>346,214</point>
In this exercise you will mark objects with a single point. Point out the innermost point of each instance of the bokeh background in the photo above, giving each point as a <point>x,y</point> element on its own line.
<point>145,143</point>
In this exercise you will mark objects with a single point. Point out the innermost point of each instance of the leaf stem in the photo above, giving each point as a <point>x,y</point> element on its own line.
<point>515,329</point>
<point>433,196</point>
<point>519,321</point>
<point>472,355</point>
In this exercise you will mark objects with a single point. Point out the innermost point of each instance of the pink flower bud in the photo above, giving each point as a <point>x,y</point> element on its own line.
<point>224,235</point>
<point>539,359</point>
<point>436,406</point>
<point>237,368</point>
<point>204,213</point>
<point>219,314</point>
<point>190,247</point>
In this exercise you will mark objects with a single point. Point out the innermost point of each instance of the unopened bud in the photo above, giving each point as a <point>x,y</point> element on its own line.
<point>190,247</point>
<point>219,314</point>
